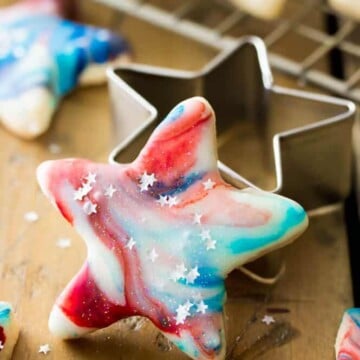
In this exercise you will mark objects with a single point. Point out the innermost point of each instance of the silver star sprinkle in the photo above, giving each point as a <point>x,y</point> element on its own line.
<point>110,191</point>
<point>163,200</point>
<point>63,243</point>
<point>54,148</point>
<point>78,194</point>
<point>44,349</point>
<point>153,255</point>
<point>267,319</point>
<point>205,234</point>
<point>209,184</point>
<point>182,312</point>
<point>146,181</point>
<point>210,244</point>
<point>201,307</point>
<point>82,191</point>
<point>192,275</point>
<point>130,244</point>
<point>86,188</point>
<point>179,273</point>
<point>90,208</point>
<point>188,305</point>
<point>197,219</point>
<point>90,178</point>
<point>31,216</point>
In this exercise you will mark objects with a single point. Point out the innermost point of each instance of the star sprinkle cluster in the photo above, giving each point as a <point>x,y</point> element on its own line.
<point>158,246</point>
<point>81,193</point>
<point>146,181</point>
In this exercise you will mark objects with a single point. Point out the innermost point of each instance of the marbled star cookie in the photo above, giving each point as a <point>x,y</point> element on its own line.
<point>43,57</point>
<point>163,233</point>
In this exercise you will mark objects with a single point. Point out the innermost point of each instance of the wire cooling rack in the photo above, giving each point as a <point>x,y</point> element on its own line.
<point>325,40</point>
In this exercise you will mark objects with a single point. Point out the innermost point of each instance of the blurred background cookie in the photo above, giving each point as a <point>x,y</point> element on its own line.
<point>43,57</point>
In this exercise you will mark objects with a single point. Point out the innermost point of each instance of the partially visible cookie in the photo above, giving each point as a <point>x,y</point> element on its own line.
<point>268,9</point>
<point>9,331</point>
<point>349,8</point>
<point>347,346</point>
<point>43,57</point>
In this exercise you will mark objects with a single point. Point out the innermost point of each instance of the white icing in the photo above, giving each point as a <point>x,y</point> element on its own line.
<point>61,326</point>
<point>103,264</point>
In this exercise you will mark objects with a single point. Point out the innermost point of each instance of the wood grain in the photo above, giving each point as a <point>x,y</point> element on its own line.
<point>307,303</point>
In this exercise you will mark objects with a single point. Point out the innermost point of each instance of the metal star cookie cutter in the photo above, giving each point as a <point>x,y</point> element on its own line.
<point>310,160</point>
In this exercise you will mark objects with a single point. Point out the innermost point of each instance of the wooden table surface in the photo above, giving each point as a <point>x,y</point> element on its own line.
<point>307,302</point>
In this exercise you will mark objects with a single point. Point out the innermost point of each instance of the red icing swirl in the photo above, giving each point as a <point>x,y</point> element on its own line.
<point>2,337</point>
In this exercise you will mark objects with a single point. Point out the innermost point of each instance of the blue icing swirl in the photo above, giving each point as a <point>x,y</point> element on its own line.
<point>4,314</point>
<point>180,185</point>
<point>294,217</point>
<point>175,114</point>
<point>354,313</point>
<point>49,51</point>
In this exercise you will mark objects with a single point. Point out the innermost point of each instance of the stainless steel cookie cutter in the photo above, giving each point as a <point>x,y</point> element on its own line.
<point>310,160</point>
<point>217,23</point>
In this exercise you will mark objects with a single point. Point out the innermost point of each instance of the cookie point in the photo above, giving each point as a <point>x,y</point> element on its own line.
<point>60,326</point>
<point>42,175</point>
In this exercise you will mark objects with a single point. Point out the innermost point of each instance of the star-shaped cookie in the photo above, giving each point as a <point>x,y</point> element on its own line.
<point>163,233</point>
<point>43,57</point>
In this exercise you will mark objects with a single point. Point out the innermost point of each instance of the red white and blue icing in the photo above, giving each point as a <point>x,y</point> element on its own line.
<point>39,49</point>
<point>347,345</point>
<point>8,330</point>
<point>162,234</point>
<point>5,311</point>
